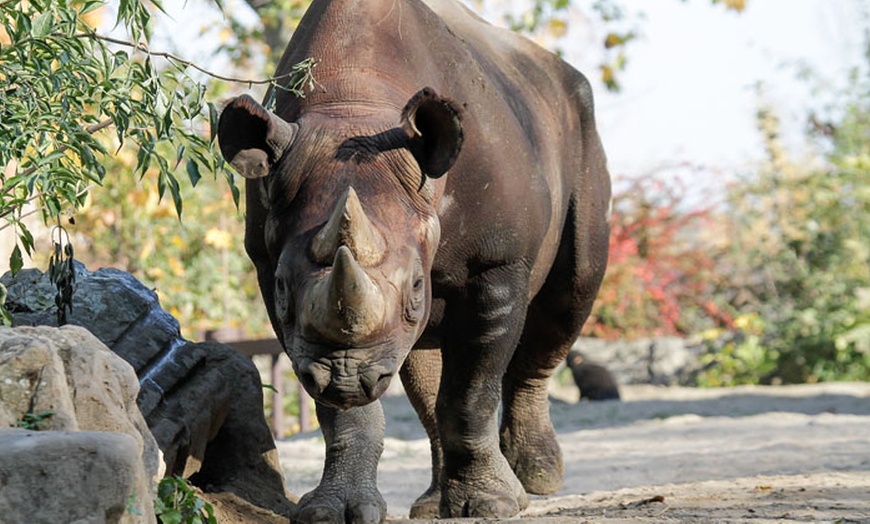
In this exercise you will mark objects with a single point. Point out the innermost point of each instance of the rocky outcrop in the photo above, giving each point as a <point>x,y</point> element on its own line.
<point>71,476</point>
<point>125,315</point>
<point>667,361</point>
<point>94,457</point>
<point>202,401</point>
<point>204,404</point>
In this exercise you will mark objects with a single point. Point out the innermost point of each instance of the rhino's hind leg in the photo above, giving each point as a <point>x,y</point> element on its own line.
<point>527,438</point>
<point>420,376</point>
<point>348,489</point>
<point>553,322</point>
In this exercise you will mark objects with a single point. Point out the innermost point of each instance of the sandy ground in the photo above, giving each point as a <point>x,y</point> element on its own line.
<point>759,454</point>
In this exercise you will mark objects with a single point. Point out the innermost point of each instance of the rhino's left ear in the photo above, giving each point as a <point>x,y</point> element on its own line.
<point>252,138</point>
<point>434,128</point>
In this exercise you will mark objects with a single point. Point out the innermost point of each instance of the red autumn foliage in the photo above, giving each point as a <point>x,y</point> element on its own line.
<point>661,276</point>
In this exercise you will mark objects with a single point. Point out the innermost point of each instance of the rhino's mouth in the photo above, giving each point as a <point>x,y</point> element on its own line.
<point>346,378</point>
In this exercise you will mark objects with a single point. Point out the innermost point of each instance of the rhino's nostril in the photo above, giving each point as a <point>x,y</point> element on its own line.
<point>375,383</point>
<point>314,377</point>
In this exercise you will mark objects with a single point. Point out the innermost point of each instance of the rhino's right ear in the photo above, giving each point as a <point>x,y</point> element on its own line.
<point>252,139</point>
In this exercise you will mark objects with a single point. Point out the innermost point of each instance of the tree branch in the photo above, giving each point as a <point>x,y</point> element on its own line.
<point>187,63</point>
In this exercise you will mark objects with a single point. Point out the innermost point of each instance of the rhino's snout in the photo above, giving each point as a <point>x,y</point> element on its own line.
<point>329,384</point>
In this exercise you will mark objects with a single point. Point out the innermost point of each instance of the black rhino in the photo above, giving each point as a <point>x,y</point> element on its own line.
<point>436,208</point>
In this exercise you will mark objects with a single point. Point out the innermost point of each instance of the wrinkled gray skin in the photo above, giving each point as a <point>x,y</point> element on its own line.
<point>442,189</point>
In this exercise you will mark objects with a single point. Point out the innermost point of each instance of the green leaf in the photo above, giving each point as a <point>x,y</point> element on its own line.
<point>16,261</point>
<point>193,172</point>
<point>90,5</point>
<point>171,516</point>
<point>41,25</point>
<point>212,122</point>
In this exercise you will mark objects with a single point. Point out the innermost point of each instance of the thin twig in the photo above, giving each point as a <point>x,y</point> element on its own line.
<point>36,209</point>
<point>185,62</point>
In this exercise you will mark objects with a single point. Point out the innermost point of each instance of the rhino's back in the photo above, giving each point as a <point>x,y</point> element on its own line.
<point>506,197</point>
<point>529,110</point>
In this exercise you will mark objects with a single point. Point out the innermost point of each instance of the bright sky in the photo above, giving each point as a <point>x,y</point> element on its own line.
<point>689,90</point>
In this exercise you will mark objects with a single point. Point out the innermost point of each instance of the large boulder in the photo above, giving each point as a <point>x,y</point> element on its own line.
<point>204,404</point>
<point>71,476</point>
<point>66,383</point>
<point>114,306</point>
<point>202,401</point>
<point>667,361</point>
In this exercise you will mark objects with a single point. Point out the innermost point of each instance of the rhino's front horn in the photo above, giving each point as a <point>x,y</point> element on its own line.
<point>349,226</point>
<point>346,305</point>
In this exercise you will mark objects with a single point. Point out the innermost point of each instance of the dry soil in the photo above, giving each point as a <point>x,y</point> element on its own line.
<point>748,454</point>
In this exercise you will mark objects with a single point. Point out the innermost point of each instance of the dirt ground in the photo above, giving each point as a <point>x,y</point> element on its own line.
<point>759,454</point>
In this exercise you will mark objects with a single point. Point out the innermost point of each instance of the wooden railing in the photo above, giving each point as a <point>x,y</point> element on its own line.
<point>272,348</point>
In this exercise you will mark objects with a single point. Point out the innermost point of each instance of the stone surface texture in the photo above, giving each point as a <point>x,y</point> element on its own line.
<point>203,402</point>
<point>82,392</point>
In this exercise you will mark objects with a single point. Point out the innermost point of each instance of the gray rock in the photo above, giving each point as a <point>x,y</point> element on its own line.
<point>211,427</point>
<point>74,380</point>
<point>202,401</point>
<point>70,476</point>
<point>111,304</point>
<point>663,361</point>
<point>32,380</point>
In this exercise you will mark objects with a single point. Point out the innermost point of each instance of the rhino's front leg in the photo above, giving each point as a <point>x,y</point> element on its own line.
<point>421,374</point>
<point>481,333</point>
<point>348,489</point>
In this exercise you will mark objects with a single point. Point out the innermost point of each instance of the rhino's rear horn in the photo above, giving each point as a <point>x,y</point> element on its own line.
<point>349,226</point>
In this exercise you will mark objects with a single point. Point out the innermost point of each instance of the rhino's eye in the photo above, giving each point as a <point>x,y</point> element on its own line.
<point>415,299</point>
<point>281,299</point>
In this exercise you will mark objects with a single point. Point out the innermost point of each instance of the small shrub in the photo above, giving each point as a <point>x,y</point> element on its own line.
<point>661,275</point>
<point>34,421</point>
<point>177,503</point>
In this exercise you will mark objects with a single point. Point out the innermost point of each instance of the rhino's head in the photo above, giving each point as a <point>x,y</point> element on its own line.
<point>348,222</point>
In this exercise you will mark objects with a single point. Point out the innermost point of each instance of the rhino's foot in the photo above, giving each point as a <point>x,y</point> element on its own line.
<point>365,507</point>
<point>535,457</point>
<point>497,496</point>
<point>426,505</point>
<point>463,501</point>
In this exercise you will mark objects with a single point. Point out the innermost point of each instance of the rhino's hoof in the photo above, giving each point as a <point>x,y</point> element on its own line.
<point>537,463</point>
<point>329,511</point>
<point>365,513</point>
<point>493,503</point>
<point>540,481</point>
<point>318,514</point>
<point>426,505</point>
<point>485,506</point>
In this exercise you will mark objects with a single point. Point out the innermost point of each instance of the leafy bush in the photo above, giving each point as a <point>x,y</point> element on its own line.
<point>63,83</point>
<point>661,276</point>
<point>177,503</point>
<point>801,258</point>
<point>198,269</point>
<point>34,421</point>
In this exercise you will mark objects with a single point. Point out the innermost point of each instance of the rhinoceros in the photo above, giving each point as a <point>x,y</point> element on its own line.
<point>435,208</point>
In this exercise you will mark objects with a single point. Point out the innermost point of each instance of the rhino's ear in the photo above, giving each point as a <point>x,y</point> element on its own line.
<point>434,128</point>
<point>251,138</point>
